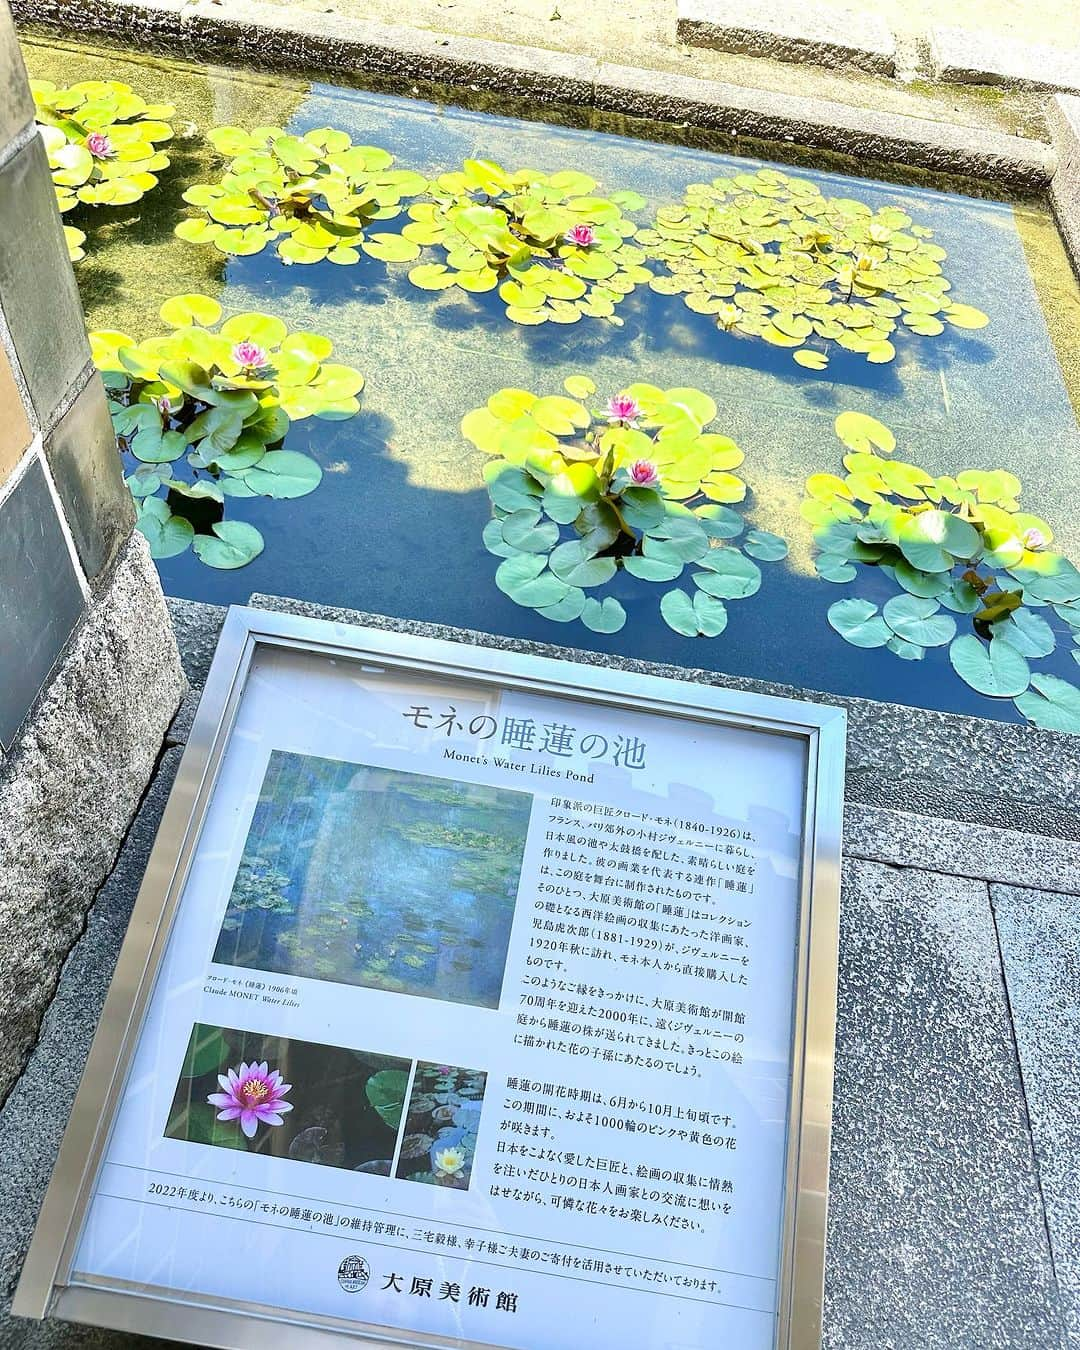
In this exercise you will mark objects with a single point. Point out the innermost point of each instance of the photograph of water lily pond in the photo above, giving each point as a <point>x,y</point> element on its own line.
<point>439,1142</point>
<point>290,1099</point>
<point>591,393</point>
<point>377,877</point>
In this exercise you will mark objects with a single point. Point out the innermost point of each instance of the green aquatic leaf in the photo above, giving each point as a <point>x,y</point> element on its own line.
<point>730,575</point>
<point>858,622</point>
<point>768,547</point>
<point>234,543</point>
<point>834,567</point>
<point>284,474</point>
<point>996,669</point>
<point>575,564</point>
<point>603,616</point>
<point>207,1052</point>
<point>1028,632</point>
<point>1051,703</point>
<point>918,621</point>
<point>386,1091</point>
<point>167,535</point>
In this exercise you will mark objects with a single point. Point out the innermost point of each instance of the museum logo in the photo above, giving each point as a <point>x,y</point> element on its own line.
<point>353,1274</point>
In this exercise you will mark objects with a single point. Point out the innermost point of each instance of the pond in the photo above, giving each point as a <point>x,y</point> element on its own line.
<point>946,323</point>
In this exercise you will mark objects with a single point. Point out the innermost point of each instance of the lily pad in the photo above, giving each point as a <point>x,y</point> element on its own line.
<point>1051,703</point>
<point>234,543</point>
<point>919,621</point>
<point>858,622</point>
<point>996,669</point>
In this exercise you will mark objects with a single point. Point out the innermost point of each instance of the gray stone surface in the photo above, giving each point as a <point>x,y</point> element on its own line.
<point>789,31</point>
<point>16,105</point>
<point>89,477</point>
<point>180,727</point>
<point>36,281</point>
<point>196,626</point>
<point>936,1233</point>
<point>274,34</point>
<point>982,56</point>
<point>1063,116</point>
<point>71,784</point>
<point>824,124</point>
<point>1040,947</point>
<point>906,839</point>
<point>33,1117</point>
<point>40,599</point>
<point>893,751</point>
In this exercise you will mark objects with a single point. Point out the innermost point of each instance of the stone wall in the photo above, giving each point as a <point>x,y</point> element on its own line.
<point>89,673</point>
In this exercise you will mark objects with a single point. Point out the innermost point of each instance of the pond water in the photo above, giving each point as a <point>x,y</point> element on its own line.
<point>396,525</point>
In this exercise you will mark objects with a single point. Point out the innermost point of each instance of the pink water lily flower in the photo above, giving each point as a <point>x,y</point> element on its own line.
<point>251,1093</point>
<point>99,145</point>
<point>643,473</point>
<point>623,408</point>
<point>164,406</point>
<point>1033,539</point>
<point>250,356</point>
<point>581,235</point>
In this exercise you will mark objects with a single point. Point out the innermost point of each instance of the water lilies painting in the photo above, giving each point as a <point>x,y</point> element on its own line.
<point>339,1107</point>
<point>439,1140</point>
<point>380,878</point>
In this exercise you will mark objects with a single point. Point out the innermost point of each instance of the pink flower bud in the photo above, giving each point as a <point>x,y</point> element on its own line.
<point>581,235</point>
<point>623,408</point>
<point>164,407</point>
<point>1034,539</point>
<point>250,356</point>
<point>643,473</point>
<point>99,145</point>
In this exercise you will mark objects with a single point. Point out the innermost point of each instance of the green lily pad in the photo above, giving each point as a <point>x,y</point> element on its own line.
<point>603,616</point>
<point>1051,703</point>
<point>768,547</point>
<point>284,474</point>
<point>1028,632</point>
<point>234,543</point>
<point>167,535</point>
<point>730,575</point>
<point>858,622</point>
<point>996,669</point>
<point>918,621</point>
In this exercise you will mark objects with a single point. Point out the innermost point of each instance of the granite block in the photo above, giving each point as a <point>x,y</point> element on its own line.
<point>197,626</point>
<point>15,432</point>
<point>72,782</point>
<point>37,286</point>
<point>787,31</point>
<point>32,1119</point>
<point>40,599</point>
<point>937,1239</point>
<point>89,478</point>
<point>959,848</point>
<point>1040,948</point>
<point>1063,118</point>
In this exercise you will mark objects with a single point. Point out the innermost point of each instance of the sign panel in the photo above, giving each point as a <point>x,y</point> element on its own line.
<point>470,999</point>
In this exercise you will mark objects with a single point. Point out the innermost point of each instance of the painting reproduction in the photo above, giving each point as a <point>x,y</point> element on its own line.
<point>377,877</point>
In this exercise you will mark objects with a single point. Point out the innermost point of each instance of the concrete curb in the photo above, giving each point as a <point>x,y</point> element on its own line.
<point>265,34</point>
<point>786,31</point>
<point>960,56</point>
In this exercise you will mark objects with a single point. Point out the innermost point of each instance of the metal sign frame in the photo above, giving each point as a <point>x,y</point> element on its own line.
<point>49,1286</point>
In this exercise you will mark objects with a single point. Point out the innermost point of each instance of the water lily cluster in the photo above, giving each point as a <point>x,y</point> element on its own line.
<point>203,411</point>
<point>556,251</point>
<point>311,197</point>
<point>587,492</point>
<point>955,546</point>
<point>770,256</point>
<point>103,145</point>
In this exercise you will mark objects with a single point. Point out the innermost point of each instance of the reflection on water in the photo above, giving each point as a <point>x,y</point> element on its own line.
<point>378,878</point>
<point>396,525</point>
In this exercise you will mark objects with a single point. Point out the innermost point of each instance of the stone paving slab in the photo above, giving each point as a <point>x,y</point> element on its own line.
<point>790,31</point>
<point>1064,122</point>
<point>937,1238</point>
<point>1040,947</point>
<point>979,56</point>
<point>960,848</point>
